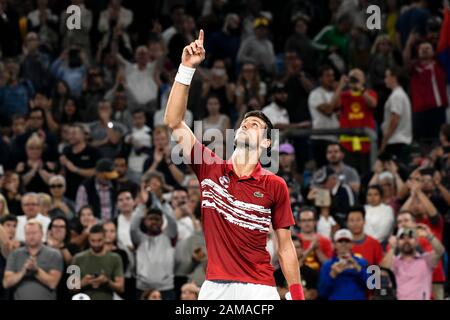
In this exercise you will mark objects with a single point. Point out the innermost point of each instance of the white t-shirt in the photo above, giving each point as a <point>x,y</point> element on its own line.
<point>324,226</point>
<point>141,83</point>
<point>276,114</point>
<point>320,121</point>
<point>399,103</point>
<point>379,221</point>
<point>22,221</point>
<point>143,137</point>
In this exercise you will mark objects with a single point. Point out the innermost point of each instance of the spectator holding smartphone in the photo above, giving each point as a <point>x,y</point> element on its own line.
<point>344,276</point>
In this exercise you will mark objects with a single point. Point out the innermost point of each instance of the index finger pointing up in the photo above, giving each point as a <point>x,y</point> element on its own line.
<point>201,36</point>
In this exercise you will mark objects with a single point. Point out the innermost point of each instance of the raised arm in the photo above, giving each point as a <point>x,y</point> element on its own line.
<point>192,56</point>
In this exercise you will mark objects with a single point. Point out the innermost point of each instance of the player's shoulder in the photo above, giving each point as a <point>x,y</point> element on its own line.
<point>274,181</point>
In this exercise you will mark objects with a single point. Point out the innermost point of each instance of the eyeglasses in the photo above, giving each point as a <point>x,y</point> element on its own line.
<point>56,186</point>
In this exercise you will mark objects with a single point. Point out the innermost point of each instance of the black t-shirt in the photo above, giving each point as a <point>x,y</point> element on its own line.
<point>310,277</point>
<point>86,159</point>
<point>37,184</point>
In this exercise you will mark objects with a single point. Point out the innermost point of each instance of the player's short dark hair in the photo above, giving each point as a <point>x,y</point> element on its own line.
<point>357,208</point>
<point>8,217</point>
<point>264,118</point>
<point>98,228</point>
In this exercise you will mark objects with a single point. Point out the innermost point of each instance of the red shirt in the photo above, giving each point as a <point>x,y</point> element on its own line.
<point>355,113</point>
<point>428,86</point>
<point>325,246</point>
<point>236,216</point>
<point>370,249</point>
<point>437,229</point>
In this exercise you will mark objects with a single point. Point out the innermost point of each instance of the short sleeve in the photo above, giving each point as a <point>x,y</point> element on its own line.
<point>200,158</point>
<point>314,99</point>
<point>118,267</point>
<point>397,105</point>
<point>56,262</point>
<point>282,216</point>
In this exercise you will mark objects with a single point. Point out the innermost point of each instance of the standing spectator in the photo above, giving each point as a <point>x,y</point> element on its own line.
<point>35,63</point>
<point>397,124</point>
<point>259,49</point>
<point>71,67</point>
<point>178,16</point>
<point>363,245</point>
<point>15,93</point>
<point>316,248</point>
<point>323,114</point>
<point>60,204</point>
<point>10,38</point>
<point>141,80</point>
<point>413,270</point>
<point>276,111</point>
<point>379,218</point>
<point>77,37</point>
<point>347,174</point>
<point>138,143</point>
<point>155,250</point>
<point>31,207</point>
<point>101,270</point>
<point>99,191</point>
<point>124,179</point>
<point>427,87</point>
<point>413,19</point>
<point>45,23</point>
<point>344,276</point>
<point>35,269</point>
<point>78,160</point>
<point>357,105</point>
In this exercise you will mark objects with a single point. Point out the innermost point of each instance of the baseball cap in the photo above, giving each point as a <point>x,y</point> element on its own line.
<point>343,234</point>
<point>323,174</point>
<point>286,148</point>
<point>406,231</point>
<point>106,168</point>
<point>260,22</point>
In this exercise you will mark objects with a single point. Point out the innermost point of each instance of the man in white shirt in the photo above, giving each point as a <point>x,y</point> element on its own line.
<point>141,79</point>
<point>397,124</point>
<point>31,208</point>
<point>276,111</point>
<point>323,114</point>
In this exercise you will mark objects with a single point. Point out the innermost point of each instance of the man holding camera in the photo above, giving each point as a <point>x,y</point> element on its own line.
<point>357,105</point>
<point>413,270</point>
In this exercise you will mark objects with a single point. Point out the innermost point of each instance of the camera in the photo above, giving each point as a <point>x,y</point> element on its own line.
<point>353,80</point>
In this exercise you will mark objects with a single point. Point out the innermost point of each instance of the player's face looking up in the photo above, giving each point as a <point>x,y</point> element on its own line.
<point>251,134</point>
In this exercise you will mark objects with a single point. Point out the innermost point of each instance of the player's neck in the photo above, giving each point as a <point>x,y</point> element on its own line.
<point>244,161</point>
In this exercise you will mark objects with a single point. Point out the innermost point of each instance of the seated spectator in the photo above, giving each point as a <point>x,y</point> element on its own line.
<point>258,48</point>
<point>35,171</point>
<point>379,218</point>
<point>249,85</point>
<point>31,207</point>
<point>80,226</point>
<point>316,248</point>
<point>413,270</point>
<point>70,112</point>
<point>344,276</point>
<point>99,191</point>
<point>13,191</point>
<point>161,161</point>
<point>323,114</point>
<point>151,295</point>
<point>106,134</point>
<point>342,196</point>
<point>150,242</point>
<point>310,277</point>
<point>124,179</point>
<point>363,245</point>
<point>190,291</point>
<point>60,204</point>
<point>101,270</point>
<point>8,244</point>
<point>34,270</point>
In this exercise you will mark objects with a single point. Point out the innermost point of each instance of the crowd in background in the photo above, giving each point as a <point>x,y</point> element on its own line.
<point>87,176</point>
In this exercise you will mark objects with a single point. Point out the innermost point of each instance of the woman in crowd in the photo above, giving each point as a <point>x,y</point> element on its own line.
<point>80,227</point>
<point>249,85</point>
<point>13,191</point>
<point>60,204</point>
<point>379,216</point>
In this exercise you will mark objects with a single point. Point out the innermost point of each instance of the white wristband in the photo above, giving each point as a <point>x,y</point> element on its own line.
<point>184,75</point>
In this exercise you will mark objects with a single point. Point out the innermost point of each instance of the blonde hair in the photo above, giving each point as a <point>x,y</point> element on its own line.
<point>192,287</point>
<point>34,222</point>
<point>44,199</point>
<point>378,40</point>
<point>34,140</point>
<point>5,209</point>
